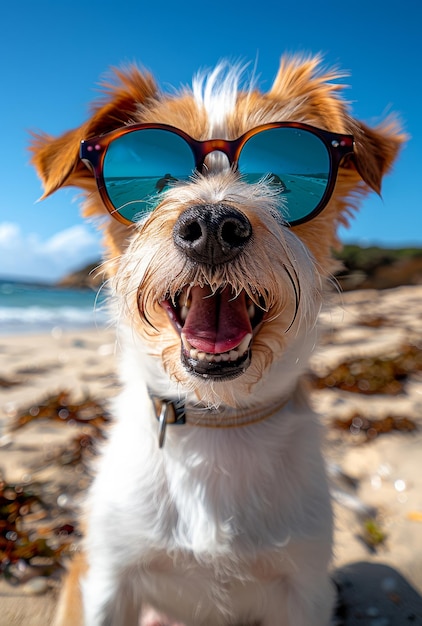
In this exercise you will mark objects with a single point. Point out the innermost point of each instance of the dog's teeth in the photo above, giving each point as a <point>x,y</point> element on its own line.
<point>184,311</point>
<point>184,300</point>
<point>232,355</point>
<point>241,349</point>
<point>186,343</point>
<point>251,310</point>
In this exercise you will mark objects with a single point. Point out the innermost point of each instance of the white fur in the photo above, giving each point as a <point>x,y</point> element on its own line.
<point>223,526</point>
<point>216,92</point>
<point>220,527</point>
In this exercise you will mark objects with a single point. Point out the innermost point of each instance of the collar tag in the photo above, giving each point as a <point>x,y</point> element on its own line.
<point>167,412</point>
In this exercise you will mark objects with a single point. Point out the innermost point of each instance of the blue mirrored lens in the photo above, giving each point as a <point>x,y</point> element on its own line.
<point>294,162</point>
<point>140,165</point>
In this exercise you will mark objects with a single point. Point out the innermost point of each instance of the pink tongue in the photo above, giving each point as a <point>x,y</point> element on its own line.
<point>217,323</point>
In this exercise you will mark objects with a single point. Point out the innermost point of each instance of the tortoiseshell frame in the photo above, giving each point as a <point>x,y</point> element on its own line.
<point>93,151</point>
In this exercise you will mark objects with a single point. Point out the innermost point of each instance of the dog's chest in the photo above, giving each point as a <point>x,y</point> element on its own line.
<point>229,491</point>
<point>212,491</point>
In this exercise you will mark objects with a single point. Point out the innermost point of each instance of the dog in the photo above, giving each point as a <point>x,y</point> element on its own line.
<point>220,206</point>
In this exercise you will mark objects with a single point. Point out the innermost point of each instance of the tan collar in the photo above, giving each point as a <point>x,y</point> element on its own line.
<point>177,413</point>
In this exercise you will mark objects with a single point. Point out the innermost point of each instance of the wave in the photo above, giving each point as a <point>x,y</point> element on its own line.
<point>38,318</point>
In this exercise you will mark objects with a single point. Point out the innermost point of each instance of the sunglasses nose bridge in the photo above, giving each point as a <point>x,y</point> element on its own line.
<point>216,155</point>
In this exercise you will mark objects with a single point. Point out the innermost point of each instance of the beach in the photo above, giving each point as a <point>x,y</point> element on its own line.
<point>366,383</point>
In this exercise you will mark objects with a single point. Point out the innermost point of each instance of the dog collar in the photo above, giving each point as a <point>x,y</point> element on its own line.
<point>170,412</point>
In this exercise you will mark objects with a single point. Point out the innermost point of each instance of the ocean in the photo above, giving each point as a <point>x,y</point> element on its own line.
<point>31,308</point>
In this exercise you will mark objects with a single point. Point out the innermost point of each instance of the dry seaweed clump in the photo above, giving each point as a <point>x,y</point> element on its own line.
<point>35,533</point>
<point>367,429</point>
<point>29,545</point>
<point>374,375</point>
<point>60,408</point>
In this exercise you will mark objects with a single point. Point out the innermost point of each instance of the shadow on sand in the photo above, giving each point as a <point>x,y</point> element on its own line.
<point>372,594</point>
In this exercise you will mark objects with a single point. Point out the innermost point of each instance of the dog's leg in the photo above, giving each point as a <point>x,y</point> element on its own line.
<point>69,610</point>
<point>110,593</point>
<point>104,608</point>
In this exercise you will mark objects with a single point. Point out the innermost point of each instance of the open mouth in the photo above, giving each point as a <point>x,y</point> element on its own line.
<point>216,330</point>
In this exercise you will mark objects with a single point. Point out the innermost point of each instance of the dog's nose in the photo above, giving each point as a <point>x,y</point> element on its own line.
<point>212,233</point>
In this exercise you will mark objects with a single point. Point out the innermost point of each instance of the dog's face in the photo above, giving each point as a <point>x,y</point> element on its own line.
<point>214,278</point>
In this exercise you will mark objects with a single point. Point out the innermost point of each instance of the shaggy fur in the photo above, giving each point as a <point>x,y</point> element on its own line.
<point>224,525</point>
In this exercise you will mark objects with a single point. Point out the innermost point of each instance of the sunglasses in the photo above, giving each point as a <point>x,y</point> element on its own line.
<point>136,164</point>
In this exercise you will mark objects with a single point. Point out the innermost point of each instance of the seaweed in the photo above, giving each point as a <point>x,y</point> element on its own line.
<point>374,375</point>
<point>357,424</point>
<point>23,548</point>
<point>33,541</point>
<point>59,408</point>
<point>373,536</point>
<point>7,383</point>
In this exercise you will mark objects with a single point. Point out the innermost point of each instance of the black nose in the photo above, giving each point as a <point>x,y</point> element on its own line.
<point>212,233</point>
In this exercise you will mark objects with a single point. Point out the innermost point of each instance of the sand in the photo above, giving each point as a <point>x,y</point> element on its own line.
<point>377,565</point>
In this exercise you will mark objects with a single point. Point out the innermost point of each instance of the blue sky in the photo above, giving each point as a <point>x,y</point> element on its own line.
<point>54,53</point>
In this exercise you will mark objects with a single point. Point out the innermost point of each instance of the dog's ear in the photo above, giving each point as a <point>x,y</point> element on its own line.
<point>376,149</point>
<point>56,159</point>
<point>305,84</point>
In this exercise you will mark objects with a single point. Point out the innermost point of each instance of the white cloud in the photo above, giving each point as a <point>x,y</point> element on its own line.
<point>9,233</point>
<point>27,255</point>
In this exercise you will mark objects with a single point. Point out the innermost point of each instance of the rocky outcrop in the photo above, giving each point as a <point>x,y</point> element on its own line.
<point>88,277</point>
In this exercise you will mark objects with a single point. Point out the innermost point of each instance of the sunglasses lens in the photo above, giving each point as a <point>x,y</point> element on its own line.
<point>140,165</point>
<point>294,162</point>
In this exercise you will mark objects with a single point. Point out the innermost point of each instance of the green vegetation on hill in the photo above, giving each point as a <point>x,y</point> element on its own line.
<point>357,258</point>
<point>379,268</point>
